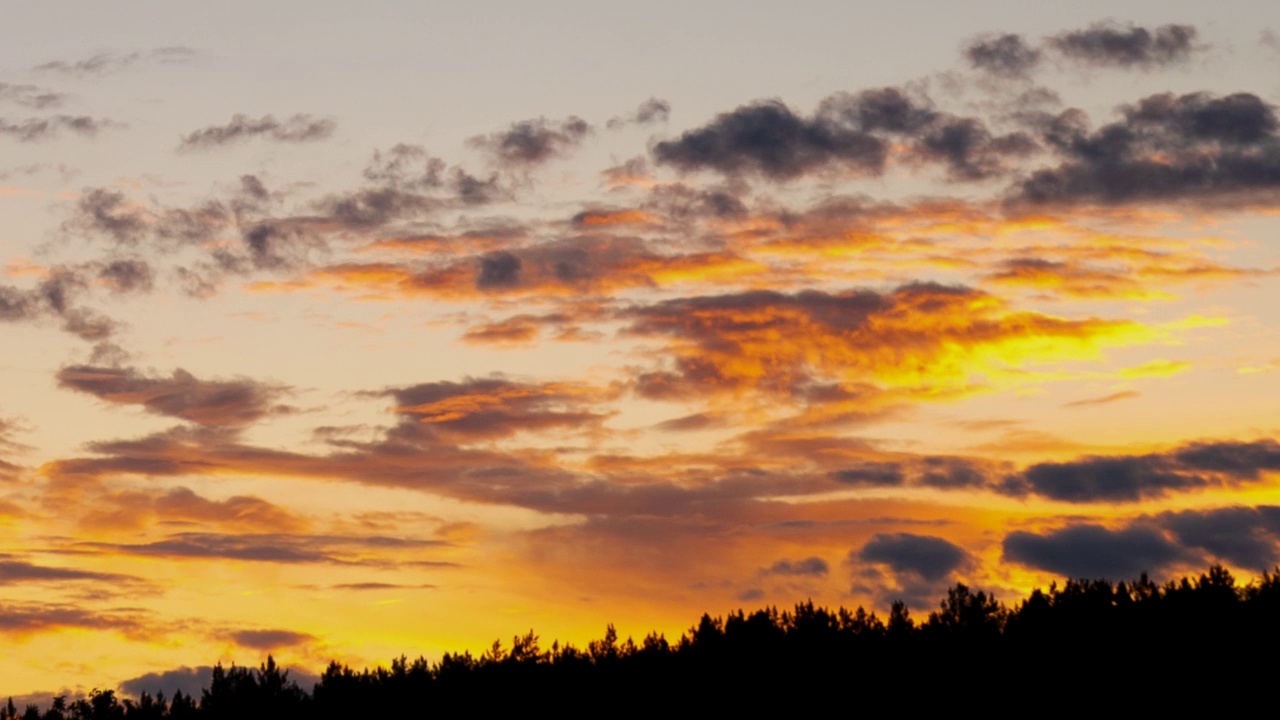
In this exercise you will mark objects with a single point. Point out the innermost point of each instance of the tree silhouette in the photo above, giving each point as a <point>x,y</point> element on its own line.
<point>1088,638</point>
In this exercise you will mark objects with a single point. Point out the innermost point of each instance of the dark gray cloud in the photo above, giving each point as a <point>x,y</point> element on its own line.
<point>532,142</point>
<point>1237,459</point>
<point>274,244</point>
<point>1109,479</point>
<point>879,474</point>
<point>269,640</point>
<point>409,182</point>
<point>56,297</point>
<point>497,270</point>
<point>43,128</point>
<point>127,276</point>
<point>212,403</point>
<point>109,213</point>
<point>109,63</point>
<point>270,548</point>
<point>31,96</point>
<point>1093,551</point>
<point>887,109</point>
<point>1127,45</point>
<point>192,681</point>
<point>850,132</point>
<point>653,110</point>
<point>1167,147</point>
<point>1244,536</point>
<point>950,473</point>
<point>768,138</point>
<point>963,145</point>
<point>969,151</point>
<point>473,190</point>
<point>283,245</point>
<point>59,289</point>
<point>266,244</point>
<point>88,325</point>
<point>409,187</point>
<point>405,166</point>
<point>1008,55</point>
<point>679,202</point>
<point>189,680</point>
<point>810,566</point>
<point>17,305</point>
<point>296,128</point>
<point>409,169</point>
<point>1105,44</point>
<point>370,208</point>
<point>16,571</point>
<point>1131,478</point>
<point>929,557</point>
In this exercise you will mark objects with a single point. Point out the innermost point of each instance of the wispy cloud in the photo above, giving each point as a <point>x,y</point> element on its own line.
<point>111,63</point>
<point>44,128</point>
<point>31,96</point>
<point>297,128</point>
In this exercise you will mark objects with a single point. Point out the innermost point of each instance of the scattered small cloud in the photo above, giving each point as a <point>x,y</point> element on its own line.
<point>1006,55</point>
<point>651,111</point>
<point>294,129</point>
<point>44,128</point>
<point>269,640</point>
<point>810,566</point>
<point>530,143</point>
<point>111,63</point>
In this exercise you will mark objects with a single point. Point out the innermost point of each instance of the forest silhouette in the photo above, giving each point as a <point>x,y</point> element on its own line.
<point>1092,643</point>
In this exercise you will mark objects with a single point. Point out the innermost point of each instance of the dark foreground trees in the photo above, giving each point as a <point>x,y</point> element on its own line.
<point>1091,643</point>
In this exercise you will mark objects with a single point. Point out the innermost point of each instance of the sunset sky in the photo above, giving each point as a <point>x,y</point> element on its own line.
<point>343,334</point>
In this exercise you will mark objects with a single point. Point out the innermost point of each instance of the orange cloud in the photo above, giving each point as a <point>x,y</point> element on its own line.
<point>919,336</point>
<point>514,331</point>
<point>133,510</point>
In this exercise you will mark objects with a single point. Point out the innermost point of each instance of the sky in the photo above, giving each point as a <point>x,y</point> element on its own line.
<point>342,334</point>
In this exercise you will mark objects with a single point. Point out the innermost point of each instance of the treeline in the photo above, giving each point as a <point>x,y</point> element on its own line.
<point>1136,643</point>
